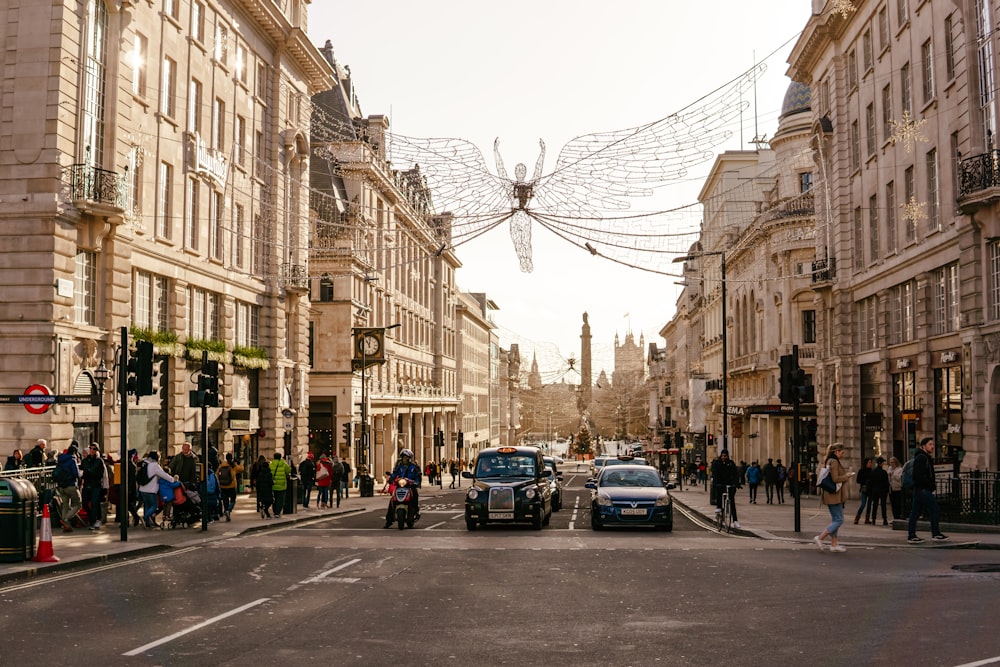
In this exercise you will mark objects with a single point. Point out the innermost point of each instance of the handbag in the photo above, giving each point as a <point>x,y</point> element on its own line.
<point>825,481</point>
<point>323,472</point>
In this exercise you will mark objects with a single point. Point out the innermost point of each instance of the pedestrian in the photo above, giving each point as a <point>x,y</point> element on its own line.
<point>324,479</point>
<point>227,472</point>
<point>280,472</point>
<point>148,475</point>
<point>834,500</point>
<point>345,479</point>
<point>743,472</point>
<point>337,478</point>
<point>184,466</point>
<point>878,491</point>
<point>131,485</point>
<point>725,480</point>
<point>95,483</point>
<point>67,479</point>
<point>781,476</point>
<point>924,499</point>
<point>453,470</point>
<point>896,488</point>
<point>862,479</point>
<point>15,461</point>
<point>36,457</point>
<point>754,475</point>
<point>770,479</point>
<point>307,478</point>
<point>263,482</point>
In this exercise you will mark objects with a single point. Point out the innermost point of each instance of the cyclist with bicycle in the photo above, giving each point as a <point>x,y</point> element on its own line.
<point>725,480</point>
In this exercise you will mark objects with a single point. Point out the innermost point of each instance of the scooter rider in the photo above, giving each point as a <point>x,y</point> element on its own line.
<point>408,470</point>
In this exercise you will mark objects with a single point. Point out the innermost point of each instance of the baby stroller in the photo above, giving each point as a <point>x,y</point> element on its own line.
<point>187,513</point>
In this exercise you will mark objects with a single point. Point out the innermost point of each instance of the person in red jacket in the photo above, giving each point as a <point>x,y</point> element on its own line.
<point>324,480</point>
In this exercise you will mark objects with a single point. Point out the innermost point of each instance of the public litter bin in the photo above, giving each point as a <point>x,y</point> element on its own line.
<point>18,504</point>
<point>366,486</point>
<point>291,495</point>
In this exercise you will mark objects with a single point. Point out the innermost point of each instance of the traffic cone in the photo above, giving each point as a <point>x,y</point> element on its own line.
<point>44,553</point>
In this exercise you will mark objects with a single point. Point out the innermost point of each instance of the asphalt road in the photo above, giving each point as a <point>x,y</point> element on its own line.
<point>346,591</point>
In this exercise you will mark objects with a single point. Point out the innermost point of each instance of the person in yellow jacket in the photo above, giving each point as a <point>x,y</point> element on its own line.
<point>226,474</point>
<point>280,471</point>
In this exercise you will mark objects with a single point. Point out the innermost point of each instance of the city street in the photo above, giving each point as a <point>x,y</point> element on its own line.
<point>344,590</point>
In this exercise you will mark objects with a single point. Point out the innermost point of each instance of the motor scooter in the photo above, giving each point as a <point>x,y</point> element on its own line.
<point>401,503</point>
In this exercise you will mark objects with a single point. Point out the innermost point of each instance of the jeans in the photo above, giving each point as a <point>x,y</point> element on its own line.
<point>873,503</point>
<point>323,495</point>
<point>731,490</point>
<point>753,492</point>
<point>864,504</point>
<point>279,501</point>
<point>769,491</point>
<point>70,502</point>
<point>837,518</point>
<point>896,500</point>
<point>338,487</point>
<point>307,490</point>
<point>150,503</point>
<point>92,503</point>
<point>924,500</point>
<point>228,498</point>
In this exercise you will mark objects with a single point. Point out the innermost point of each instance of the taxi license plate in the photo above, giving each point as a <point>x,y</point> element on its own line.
<point>634,511</point>
<point>501,515</point>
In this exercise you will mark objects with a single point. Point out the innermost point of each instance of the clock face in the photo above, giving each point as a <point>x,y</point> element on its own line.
<point>370,345</point>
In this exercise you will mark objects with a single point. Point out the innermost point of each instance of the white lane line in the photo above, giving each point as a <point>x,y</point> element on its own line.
<point>987,661</point>
<point>203,624</point>
<point>439,523</point>
<point>319,577</point>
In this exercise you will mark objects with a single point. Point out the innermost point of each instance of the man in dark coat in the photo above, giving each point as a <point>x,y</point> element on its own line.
<point>924,487</point>
<point>725,479</point>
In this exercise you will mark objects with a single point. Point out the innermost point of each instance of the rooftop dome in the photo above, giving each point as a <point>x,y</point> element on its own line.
<point>797,99</point>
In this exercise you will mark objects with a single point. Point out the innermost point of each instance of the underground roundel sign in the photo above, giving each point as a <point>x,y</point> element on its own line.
<point>37,398</point>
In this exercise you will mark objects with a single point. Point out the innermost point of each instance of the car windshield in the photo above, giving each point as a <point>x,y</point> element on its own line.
<point>514,465</point>
<point>631,478</point>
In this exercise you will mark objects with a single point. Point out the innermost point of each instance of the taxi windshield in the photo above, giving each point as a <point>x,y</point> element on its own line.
<point>505,465</point>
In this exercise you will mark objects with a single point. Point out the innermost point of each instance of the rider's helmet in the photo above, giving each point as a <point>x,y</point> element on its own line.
<point>407,453</point>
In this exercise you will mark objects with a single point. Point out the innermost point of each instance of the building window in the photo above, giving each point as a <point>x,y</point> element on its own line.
<point>241,63</point>
<point>994,249</point>
<point>215,228</point>
<point>887,112</point>
<point>221,50</point>
<point>902,317</point>
<point>855,146</point>
<point>883,28</point>
<point>198,21</point>
<point>825,96</point>
<point>905,101</point>
<point>169,87</point>
<point>94,84</point>
<point>260,84</point>
<point>945,295</point>
<point>890,216</point>
<point>241,137</point>
<point>808,326</point>
<point>247,324</point>
<point>326,288</point>
<point>866,50</point>
<point>191,229</point>
<point>859,240</point>
<point>852,69</point>
<point>256,246</point>
<point>134,181</point>
<point>805,181</point>
<point>870,131</point>
<point>902,12</point>
<point>873,228</point>
<point>139,68</point>
<point>203,315</point>
<point>949,48</point>
<point>933,195</point>
<point>985,67</point>
<point>164,204</point>
<point>927,67</point>
<point>258,154</point>
<point>194,107</point>
<point>149,308</point>
<point>218,125</point>
<point>909,195</point>
<point>85,288</point>
<point>238,235</point>
<point>867,324</point>
<point>171,8</point>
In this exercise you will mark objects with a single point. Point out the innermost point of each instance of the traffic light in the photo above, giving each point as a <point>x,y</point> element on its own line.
<point>144,371</point>
<point>807,393</point>
<point>461,441</point>
<point>208,386</point>
<point>347,433</point>
<point>788,389</point>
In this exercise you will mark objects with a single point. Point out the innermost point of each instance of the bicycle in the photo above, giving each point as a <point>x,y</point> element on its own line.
<point>724,518</point>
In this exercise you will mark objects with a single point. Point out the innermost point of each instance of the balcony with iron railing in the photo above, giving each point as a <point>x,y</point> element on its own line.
<point>824,270</point>
<point>294,276</point>
<point>93,188</point>
<point>979,177</point>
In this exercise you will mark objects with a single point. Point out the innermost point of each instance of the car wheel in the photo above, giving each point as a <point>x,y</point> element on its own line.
<point>536,520</point>
<point>595,523</point>
<point>470,523</point>
<point>556,503</point>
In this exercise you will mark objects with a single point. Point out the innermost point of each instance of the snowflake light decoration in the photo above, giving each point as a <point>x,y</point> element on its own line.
<point>907,131</point>
<point>914,210</point>
<point>844,7</point>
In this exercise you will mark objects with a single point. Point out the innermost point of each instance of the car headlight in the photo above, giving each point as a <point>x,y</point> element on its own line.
<point>663,501</point>
<point>603,500</point>
<point>530,494</point>
<point>473,494</point>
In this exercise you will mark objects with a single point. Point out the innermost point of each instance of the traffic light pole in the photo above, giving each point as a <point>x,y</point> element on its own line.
<point>204,449</point>
<point>796,448</point>
<point>123,447</point>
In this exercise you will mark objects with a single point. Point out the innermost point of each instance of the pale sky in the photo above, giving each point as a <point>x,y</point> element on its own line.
<point>524,70</point>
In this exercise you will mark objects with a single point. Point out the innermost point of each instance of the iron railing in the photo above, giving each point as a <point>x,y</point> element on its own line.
<point>41,477</point>
<point>88,183</point>
<point>971,497</point>
<point>979,172</point>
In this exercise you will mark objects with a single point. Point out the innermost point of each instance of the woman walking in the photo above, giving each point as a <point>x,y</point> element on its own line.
<point>834,500</point>
<point>863,476</point>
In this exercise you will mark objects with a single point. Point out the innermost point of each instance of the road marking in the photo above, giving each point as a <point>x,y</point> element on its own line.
<point>987,661</point>
<point>199,626</point>
<point>319,577</point>
<point>439,523</point>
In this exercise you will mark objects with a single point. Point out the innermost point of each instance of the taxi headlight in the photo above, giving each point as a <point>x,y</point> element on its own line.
<point>473,494</point>
<point>663,501</point>
<point>603,500</point>
<point>530,494</point>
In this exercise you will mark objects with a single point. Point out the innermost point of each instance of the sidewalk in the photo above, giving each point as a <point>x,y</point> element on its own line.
<point>89,547</point>
<point>777,522</point>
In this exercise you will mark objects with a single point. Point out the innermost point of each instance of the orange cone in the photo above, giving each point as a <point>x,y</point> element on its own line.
<point>45,553</point>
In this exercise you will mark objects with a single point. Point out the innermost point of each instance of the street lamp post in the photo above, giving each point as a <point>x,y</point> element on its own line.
<point>101,375</point>
<point>365,453</point>
<point>725,357</point>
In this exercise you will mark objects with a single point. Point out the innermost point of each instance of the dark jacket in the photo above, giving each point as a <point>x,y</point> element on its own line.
<point>307,472</point>
<point>770,473</point>
<point>185,468</point>
<point>67,462</point>
<point>35,458</point>
<point>13,464</point>
<point>94,471</point>
<point>923,471</point>
<point>878,482</point>
<point>725,473</point>
<point>863,476</point>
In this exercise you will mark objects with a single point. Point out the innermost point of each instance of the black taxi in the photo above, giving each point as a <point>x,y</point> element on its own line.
<point>509,485</point>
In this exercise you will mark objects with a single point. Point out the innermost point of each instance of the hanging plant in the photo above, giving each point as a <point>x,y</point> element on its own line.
<point>250,357</point>
<point>216,350</point>
<point>164,342</point>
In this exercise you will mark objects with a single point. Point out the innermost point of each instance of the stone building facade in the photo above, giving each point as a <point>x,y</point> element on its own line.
<point>150,168</point>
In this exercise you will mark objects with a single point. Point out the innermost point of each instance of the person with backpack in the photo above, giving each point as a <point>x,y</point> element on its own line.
<point>345,480</point>
<point>337,478</point>
<point>896,488</point>
<point>263,483</point>
<point>67,479</point>
<point>780,477</point>
<point>148,475</point>
<point>280,472</point>
<point>754,475</point>
<point>227,472</point>
<point>924,499</point>
<point>324,480</point>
